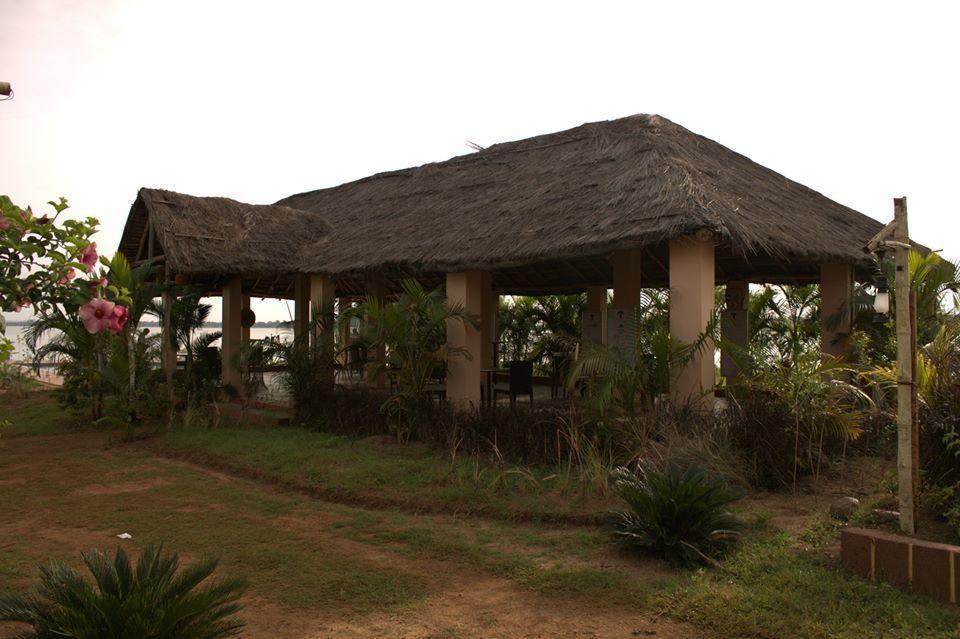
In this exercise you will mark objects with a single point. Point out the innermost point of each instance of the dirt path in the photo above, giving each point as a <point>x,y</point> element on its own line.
<point>54,491</point>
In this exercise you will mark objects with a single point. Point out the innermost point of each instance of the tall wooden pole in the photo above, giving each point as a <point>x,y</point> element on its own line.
<point>908,431</point>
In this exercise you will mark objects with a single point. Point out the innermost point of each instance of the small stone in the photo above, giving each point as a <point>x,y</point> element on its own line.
<point>844,508</point>
<point>885,516</point>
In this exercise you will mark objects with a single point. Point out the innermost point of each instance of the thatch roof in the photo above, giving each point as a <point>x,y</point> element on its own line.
<point>220,236</point>
<point>552,199</point>
<point>542,214</point>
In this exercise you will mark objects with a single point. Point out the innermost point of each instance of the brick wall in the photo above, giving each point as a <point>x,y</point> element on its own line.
<point>924,566</point>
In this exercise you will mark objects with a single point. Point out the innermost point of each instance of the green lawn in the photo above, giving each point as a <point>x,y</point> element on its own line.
<point>320,568</point>
<point>378,471</point>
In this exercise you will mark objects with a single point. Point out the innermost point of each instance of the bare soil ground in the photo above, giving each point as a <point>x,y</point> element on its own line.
<point>57,516</point>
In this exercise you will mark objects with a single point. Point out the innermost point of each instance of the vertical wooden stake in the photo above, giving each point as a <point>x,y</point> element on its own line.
<point>907,427</point>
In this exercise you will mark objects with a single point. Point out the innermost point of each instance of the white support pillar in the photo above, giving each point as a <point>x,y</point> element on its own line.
<point>232,299</point>
<point>735,323</point>
<point>301,304</point>
<point>463,371</point>
<point>626,295</point>
<point>488,320</point>
<point>593,324</point>
<point>836,305</point>
<point>245,330</point>
<point>168,348</point>
<point>377,288</point>
<point>323,296</point>
<point>626,279</point>
<point>691,308</point>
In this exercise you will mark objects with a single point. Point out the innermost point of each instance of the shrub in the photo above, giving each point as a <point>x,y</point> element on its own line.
<point>678,514</point>
<point>152,601</point>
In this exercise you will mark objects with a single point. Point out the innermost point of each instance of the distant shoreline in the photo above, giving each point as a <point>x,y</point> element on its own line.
<point>157,324</point>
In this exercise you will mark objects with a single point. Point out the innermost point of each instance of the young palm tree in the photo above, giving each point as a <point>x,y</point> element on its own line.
<point>414,331</point>
<point>625,385</point>
<point>154,600</point>
<point>516,322</point>
<point>557,320</point>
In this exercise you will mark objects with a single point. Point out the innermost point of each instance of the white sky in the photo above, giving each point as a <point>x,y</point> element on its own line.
<point>260,100</point>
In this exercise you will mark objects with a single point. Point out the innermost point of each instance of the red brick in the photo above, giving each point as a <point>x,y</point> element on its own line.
<point>931,570</point>
<point>855,546</point>
<point>893,562</point>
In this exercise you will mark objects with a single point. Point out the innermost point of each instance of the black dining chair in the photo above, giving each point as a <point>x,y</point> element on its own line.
<point>520,382</point>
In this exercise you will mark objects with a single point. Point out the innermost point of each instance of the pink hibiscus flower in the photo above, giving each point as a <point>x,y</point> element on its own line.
<point>97,315</point>
<point>118,319</point>
<point>88,256</point>
<point>69,275</point>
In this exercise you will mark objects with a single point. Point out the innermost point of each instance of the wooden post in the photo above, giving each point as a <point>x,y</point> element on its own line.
<point>908,432</point>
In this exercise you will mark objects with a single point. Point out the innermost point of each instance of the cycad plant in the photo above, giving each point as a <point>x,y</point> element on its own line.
<point>681,515</point>
<point>154,600</point>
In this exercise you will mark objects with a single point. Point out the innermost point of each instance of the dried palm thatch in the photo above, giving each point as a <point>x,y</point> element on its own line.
<point>628,183</point>
<point>542,214</point>
<point>220,236</point>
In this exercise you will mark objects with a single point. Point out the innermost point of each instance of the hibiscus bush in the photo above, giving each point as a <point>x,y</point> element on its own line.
<point>50,265</point>
<point>45,259</point>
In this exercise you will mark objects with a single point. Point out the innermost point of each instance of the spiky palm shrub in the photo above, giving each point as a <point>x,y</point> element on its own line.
<point>151,601</point>
<point>680,515</point>
<point>413,330</point>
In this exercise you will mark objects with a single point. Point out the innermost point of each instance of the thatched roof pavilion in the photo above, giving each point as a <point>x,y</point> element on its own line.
<point>589,208</point>
<point>565,201</point>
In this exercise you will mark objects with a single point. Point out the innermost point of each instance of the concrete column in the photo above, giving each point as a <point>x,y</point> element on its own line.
<point>691,307</point>
<point>463,371</point>
<point>245,330</point>
<point>301,304</point>
<point>377,288</point>
<point>735,322</point>
<point>836,304</point>
<point>168,348</point>
<point>593,325</point>
<point>232,299</point>
<point>619,334</point>
<point>343,327</point>
<point>488,319</point>
<point>626,279</point>
<point>322,299</point>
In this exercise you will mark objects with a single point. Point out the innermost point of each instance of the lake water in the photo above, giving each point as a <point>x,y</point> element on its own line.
<point>21,352</point>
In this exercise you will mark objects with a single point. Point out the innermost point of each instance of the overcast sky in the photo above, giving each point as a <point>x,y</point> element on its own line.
<point>857,100</point>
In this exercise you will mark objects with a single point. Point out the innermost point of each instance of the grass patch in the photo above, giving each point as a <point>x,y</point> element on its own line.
<point>36,414</point>
<point>532,559</point>
<point>187,510</point>
<point>770,589</point>
<point>380,472</point>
